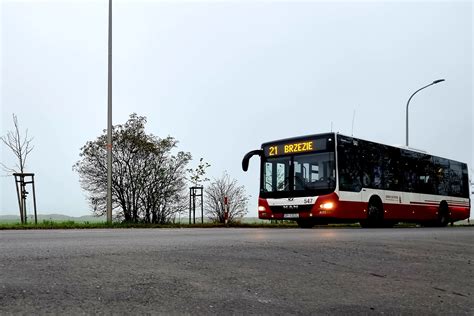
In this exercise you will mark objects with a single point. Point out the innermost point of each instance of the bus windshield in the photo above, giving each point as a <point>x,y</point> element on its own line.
<point>299,175</point>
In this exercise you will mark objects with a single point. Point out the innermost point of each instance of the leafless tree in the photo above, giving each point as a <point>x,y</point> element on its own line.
<point>215,194</point>
<point>20,146</point>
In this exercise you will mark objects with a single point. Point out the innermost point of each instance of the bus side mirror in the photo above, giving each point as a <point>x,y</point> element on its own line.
<point>245,161</point>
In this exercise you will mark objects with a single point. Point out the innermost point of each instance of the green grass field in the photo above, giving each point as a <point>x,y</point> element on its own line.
<point>47,224</point>
<point>86,222</point>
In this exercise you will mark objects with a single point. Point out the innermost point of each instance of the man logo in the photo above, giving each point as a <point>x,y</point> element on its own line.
<point>290,199</point>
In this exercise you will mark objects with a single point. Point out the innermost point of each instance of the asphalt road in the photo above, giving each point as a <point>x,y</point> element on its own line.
<point>238,271</point>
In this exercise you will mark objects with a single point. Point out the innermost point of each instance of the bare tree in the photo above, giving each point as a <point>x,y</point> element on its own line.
<point>20,146</point>
<point>216,192</point>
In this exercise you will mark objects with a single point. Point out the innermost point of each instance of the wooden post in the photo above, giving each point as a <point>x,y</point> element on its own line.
<point>21,192</point>
<point>194,205</point>
<point>202,206</point>
<point>19,198</point>
<point>190,190</point>
<point>34,198</point>
<point>23,197</point>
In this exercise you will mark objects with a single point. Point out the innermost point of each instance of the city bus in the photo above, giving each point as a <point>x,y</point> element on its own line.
<point>332,178</point>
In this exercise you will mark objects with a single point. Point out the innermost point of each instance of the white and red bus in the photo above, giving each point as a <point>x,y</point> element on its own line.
<point>330,178</point>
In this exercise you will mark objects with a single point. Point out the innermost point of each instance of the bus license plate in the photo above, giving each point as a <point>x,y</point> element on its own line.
<point>293,215</point>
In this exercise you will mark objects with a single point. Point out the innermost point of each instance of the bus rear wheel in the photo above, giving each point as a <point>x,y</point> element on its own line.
<point>305,223</point>
<point>443,215</point>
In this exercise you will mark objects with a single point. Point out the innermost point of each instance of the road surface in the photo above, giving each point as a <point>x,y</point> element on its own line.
<point>238,271</point>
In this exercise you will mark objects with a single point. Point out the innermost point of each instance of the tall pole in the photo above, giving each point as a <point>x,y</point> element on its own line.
<point>408,103</point>
<point>109,123</point>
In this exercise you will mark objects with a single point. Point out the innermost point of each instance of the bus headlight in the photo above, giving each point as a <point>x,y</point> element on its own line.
<point>327,206</point>
<point>261,208</point>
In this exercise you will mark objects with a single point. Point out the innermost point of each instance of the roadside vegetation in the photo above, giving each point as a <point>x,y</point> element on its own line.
<point>46,224</point>
<point>151,179</point>
<point>51,224</point>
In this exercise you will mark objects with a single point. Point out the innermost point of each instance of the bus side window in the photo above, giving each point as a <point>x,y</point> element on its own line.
<point>425,177</point>
<point>455,179</point>
<point>391,167</point>
<point>349,165</point>
<point>465,181</point>
<point>442,176</point>
<point>410,175</point>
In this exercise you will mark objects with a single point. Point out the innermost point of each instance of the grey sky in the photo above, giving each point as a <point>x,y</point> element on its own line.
<point>223,77</point>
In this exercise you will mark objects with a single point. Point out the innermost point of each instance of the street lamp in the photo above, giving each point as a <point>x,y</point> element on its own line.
<point>109,122</point>
<point>408,103</point>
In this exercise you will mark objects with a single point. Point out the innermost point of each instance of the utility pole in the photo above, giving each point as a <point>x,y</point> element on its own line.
<point>109,123</point>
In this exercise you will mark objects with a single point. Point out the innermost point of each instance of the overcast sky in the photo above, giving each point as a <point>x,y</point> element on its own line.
<point>224,77</point>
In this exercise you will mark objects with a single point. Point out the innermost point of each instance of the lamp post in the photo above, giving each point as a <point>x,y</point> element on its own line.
<point>408,103</point>
<point>109,122</point>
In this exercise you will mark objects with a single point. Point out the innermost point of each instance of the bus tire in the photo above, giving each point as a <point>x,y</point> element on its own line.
<point>443,215</point>
<point>305,223</point>
<point>374,214</point>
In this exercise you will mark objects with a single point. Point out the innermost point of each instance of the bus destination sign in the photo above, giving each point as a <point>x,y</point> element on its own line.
<point>290,148</point>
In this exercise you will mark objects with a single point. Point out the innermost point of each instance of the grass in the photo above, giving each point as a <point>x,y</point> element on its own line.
<point>50,224</point>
